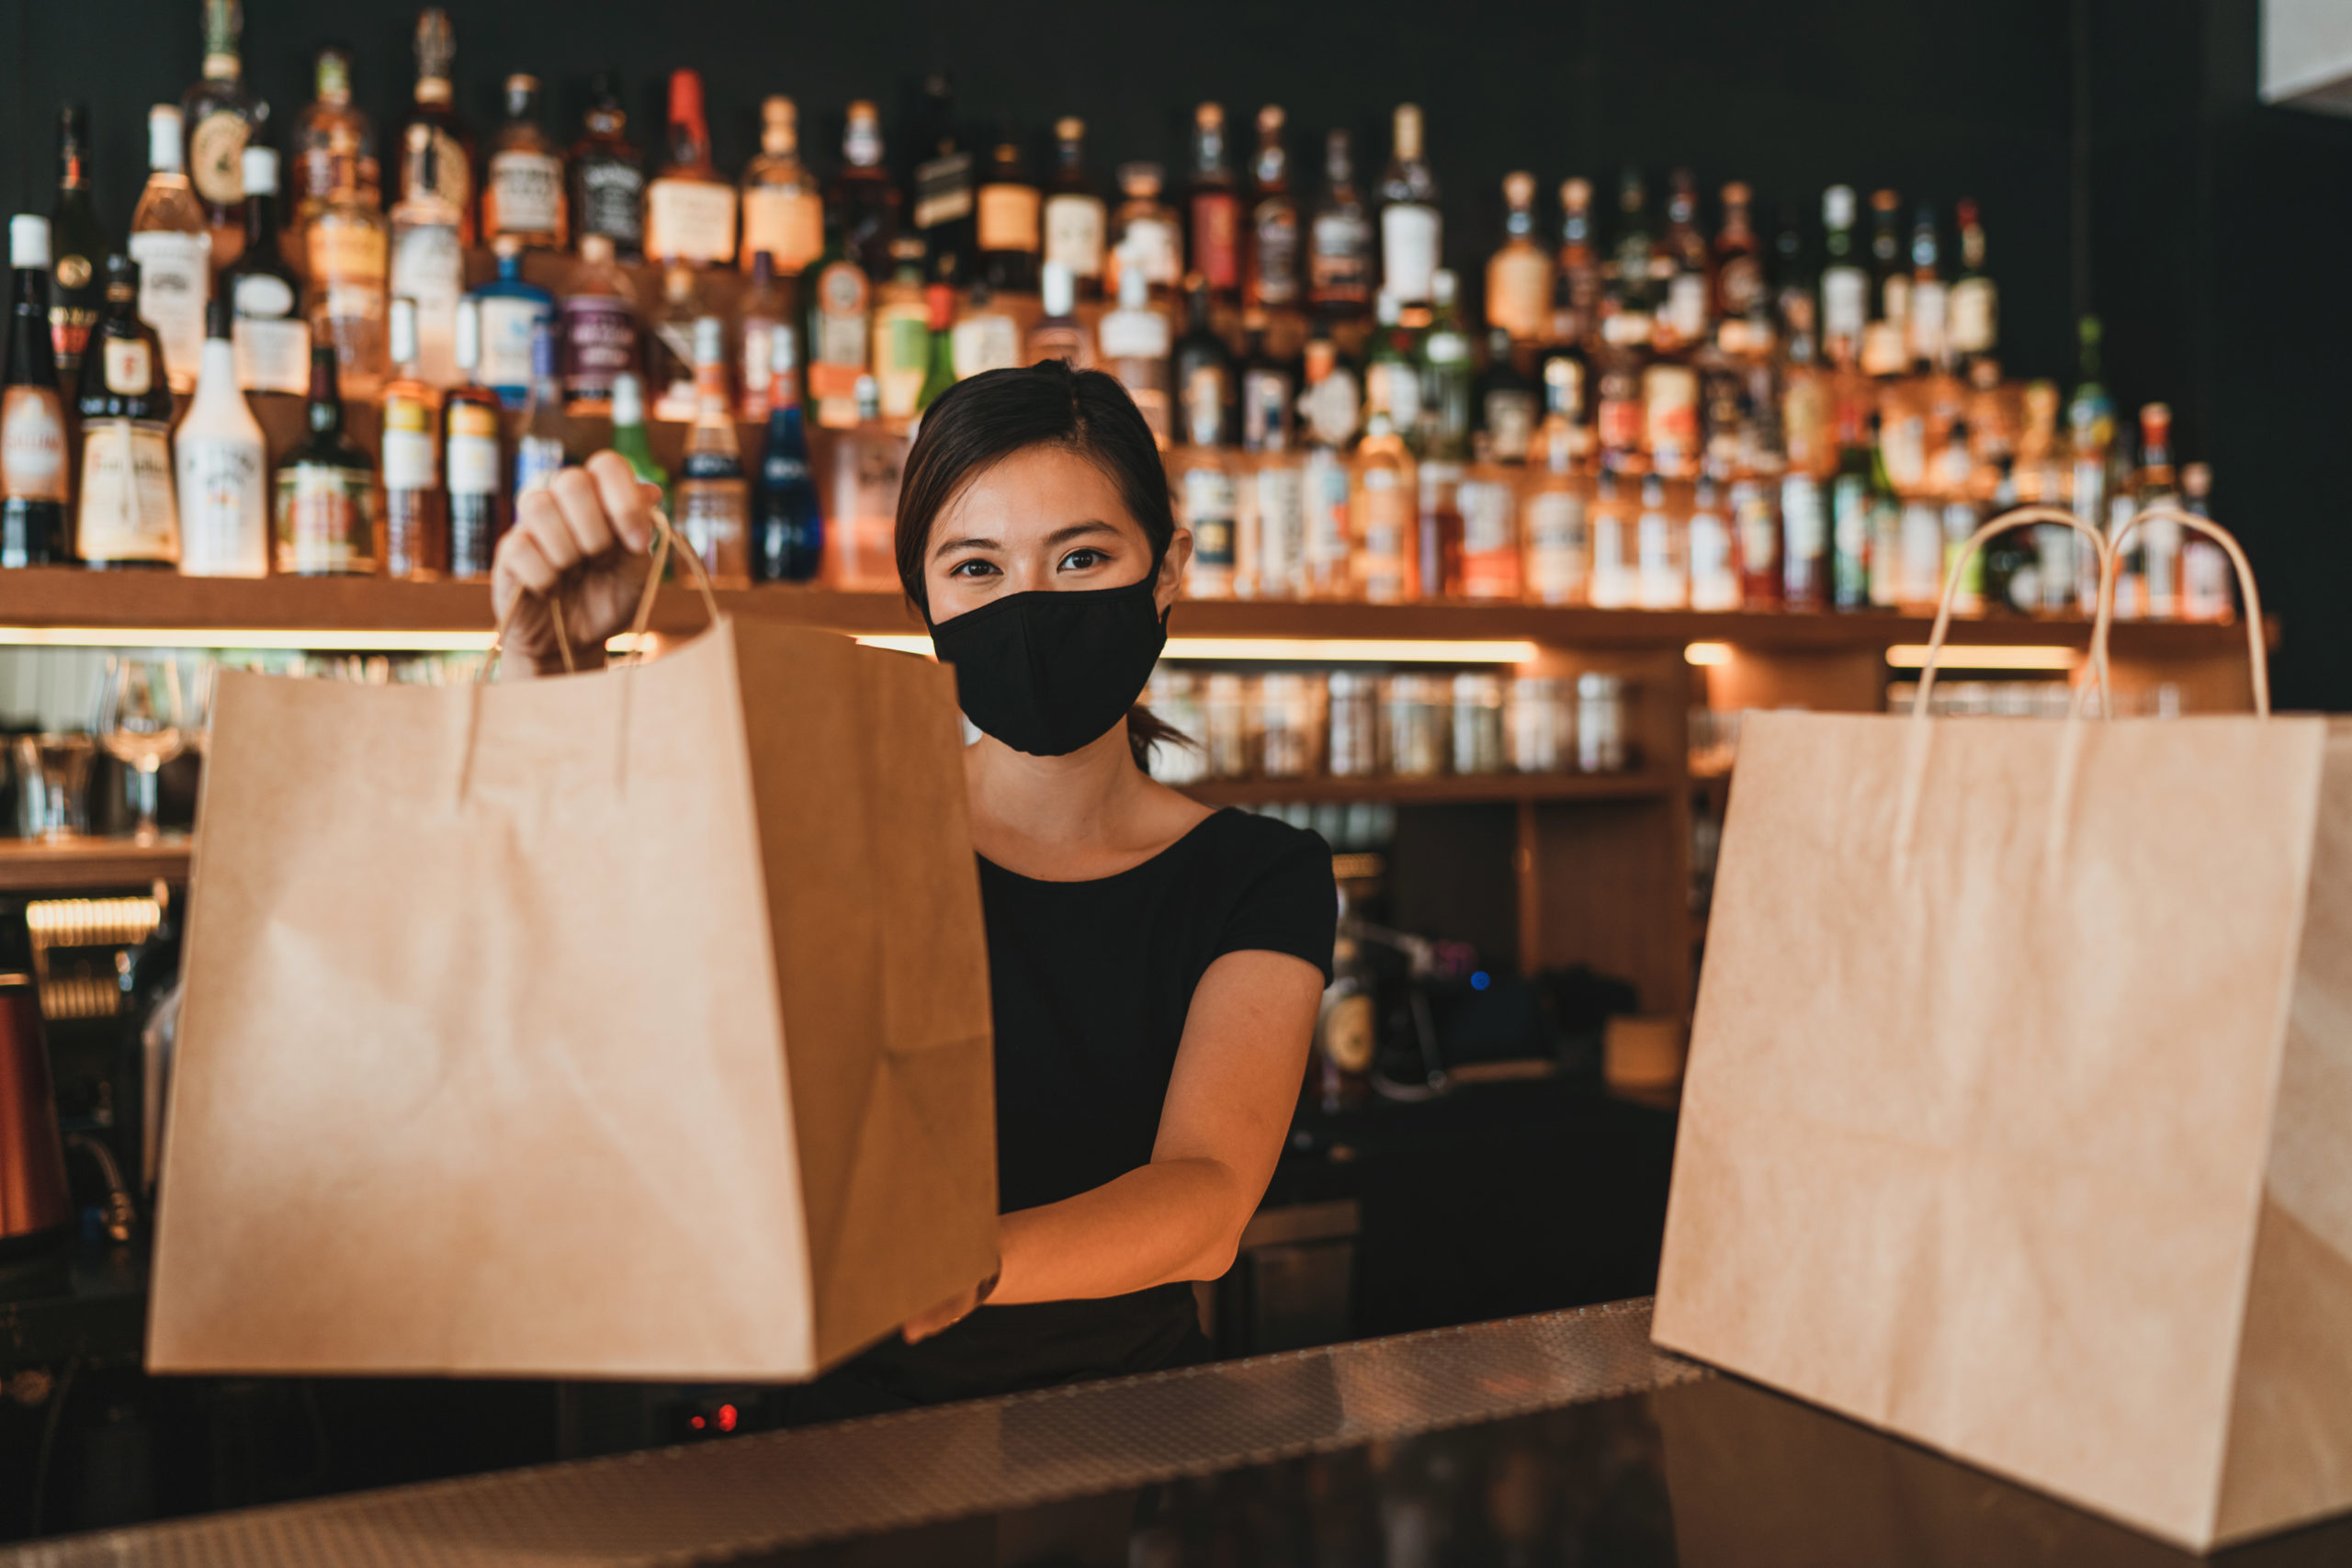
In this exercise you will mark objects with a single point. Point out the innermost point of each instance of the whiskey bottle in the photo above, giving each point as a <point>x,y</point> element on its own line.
<point>1206,505</point>
<point>940,204</point>
<point>1576,293</point>
<point>599,318</point>
<point>1615,580</point>
<point>174,251</point>
<point>1410,236</point>
<point>1447,373</point>
<point>1739,291</point>
<point>1519,275</point>
<point>333,145</point>
<point>669,346</point>
<point>1756,534</point>
<point>1714,568</point>
<point>840,338</point>
<point>629,437</point>
<point>1330,405</point>
<point>1506,402</point>
<point>939,371</point>
<point>2209,584</point>
<point>509,311</point>
<point>128,514</point>
<point>1339,247</point>
<point>224,465</point>
<point>428,256</point>
<point>868,459</point>
<point>986,337</point>
<point>326,491</point>
<point>608,174</point>
<point>470,458</point>
<point>901,331</point>
<point>862,205</point>
<point>78,246</point>
<point>347,246</point>
<point>689,209</point>
<point>1009,212</point>
<point>1143,231</point>
<point>1392,372</point>
<point>217,115</point>
<point>1681,262</point>
<point>714,499</point>
<point>450,167</point>
<point>522,195</point>
<point>1927,326</point>
<point>1633,301</point>
<point>1886,337</point>
<point>1845,286</point>
<point>787,524</point>
<point>1385,488</point>
<point>1270,268</point>
<point>1134,339</point>
<point>538,450</point>
<point>273,333</point>
<point>1202,373</point>
<point>1553,524</point>
<point>1058,333</point>
<point>1213,205</point>
<point>1974,329</point>
<point>1075,218</point>
<point>1270,517</point>
<point>1269,391</point>
<point>762,317</point>
<point>1488,501</point>
<point>2159,538</point>
<point>416,530</point>
<point>783,216</point>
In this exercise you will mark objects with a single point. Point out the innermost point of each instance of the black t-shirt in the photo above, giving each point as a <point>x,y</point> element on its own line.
<point>1090,984</point>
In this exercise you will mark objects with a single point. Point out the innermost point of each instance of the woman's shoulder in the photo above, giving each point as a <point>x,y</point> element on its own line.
<point>1273,883</point>
<point>1250,844</point>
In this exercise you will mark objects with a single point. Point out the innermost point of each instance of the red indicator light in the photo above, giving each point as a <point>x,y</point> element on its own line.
<point>697,1423</point>
<point>725,1417</point>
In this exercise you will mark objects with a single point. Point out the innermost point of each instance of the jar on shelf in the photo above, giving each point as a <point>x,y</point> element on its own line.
<point>1413,717</point>
<point>1478,723</point>
<point>1291,722</point>
<point>1541,725</point>
<point>1174,697</point>
<point>1231,754</point>
<point>1604,724</point>
<point>1354,724</point>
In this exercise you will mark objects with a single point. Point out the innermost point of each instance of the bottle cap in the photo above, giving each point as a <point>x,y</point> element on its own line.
<point>399,328</point>
<point>122,284</point>
<point>467,335</point>
<point>164,139</point>
<point>260,169</point>
<point>1209,116</point>
<point>686,95</point>
<point>1069,128</point>
<point>2197,478</point>
<point>29,241</point>
<point>332,76</point>
<point>1838,207</point>
<point>1518,187</point>
<point>1405,130</point>
<point>1060,290</point>
<point>710,341</point>
<point>221,318</point>
<point>1270,119</point>
<point>1576,193</point>
<point>628,399</point>
<point>1735,194</point>
<point>1140,179</point>
<point>1885,201</point>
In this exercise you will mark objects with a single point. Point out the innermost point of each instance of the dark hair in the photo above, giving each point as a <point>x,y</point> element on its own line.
<point>979,422</point>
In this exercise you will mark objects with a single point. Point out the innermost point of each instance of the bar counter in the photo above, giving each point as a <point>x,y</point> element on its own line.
<point>1560,1439</point>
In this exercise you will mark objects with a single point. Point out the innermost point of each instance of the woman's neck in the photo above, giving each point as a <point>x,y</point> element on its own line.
<point>1087,814</point>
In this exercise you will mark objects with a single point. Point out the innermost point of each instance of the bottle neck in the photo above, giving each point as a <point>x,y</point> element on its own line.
<point>260,219</point>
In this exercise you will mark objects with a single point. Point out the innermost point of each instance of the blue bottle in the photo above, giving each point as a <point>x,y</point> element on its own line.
<point>787,527</point>
<point>511,311</point>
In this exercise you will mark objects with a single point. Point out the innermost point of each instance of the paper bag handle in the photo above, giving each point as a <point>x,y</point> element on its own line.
<point>664,537</point>
<point>2006,521</point>
<point>2258,660</point>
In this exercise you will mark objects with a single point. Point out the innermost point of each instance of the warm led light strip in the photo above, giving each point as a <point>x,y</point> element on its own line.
<point>1984,656</point>
<point>318,642</point>
<point>1707,653</point>
<point>1302,651</point>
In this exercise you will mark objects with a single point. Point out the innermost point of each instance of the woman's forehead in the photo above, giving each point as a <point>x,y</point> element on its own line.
<point>1033,495</point>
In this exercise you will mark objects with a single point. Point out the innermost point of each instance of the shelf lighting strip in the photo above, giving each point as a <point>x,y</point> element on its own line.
<point>1302,651</point>
<point>1984,656</point>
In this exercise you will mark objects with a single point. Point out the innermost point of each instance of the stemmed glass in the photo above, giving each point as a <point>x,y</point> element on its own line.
<point>139,718</point>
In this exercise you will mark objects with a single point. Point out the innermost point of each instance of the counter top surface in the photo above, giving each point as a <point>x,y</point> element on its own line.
<point>1561,1439</point>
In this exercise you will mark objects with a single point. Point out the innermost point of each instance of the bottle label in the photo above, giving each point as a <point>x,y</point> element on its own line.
<point>1903,444</point>
<point>273,356</point>
<point>408,456</point>
<point>1759,529</point>
<point>1613,573</point>
<point>1265,409</point>
<point>1882,349</point>
<point>428,266</point>
<point>1922,536</point>
<point>2206,580</point>
<point>1279,493</point>
<point>263,296</point>
<point>787,224</point>
<point>1074,233</point>
<point>1202,397</point>
<point>507,323</point>
<point>473,457</point>
<point>1208,512</point>
<point>1510,423</point>
<point>612,201</point>
<point>127,509</point>
<point>943,191</point>
<point>224,507</point>
<point>1217,232</point>
<point>1409,246</point>
<point>901,358</point>
<point>690,220</point>
<point>1844,303</point>
<point>130,368</point>
<point>1661,584</point>
<point>1388,522</point>
<point>1327,510</point>
<point>1338,259</point>
<point>1555,544</point>
<point>525,193</point>
<point>1150,243</point>
<point>536,460</point>
<point>1714,584</point>
<point>175,282</point>
<point>347,261</point>
<point>1519,291</point>
<point>1009,217</point>
<point>1489,539</point>
<point>453,175</point>
<point>1334,406</point>
<point>1686,306</point>
<point>326,520</point>
<point>1140,333</point>
<point>1670,414</point>
<point>1803,526</point>
<point>1929,321</point>
<point>216,152</point>
<point>1273,257</point>
<point>1740,284</point>
<point>988,341</point>
<point>599,341</point>
<point>843,338</point>
<point>1973,310</point>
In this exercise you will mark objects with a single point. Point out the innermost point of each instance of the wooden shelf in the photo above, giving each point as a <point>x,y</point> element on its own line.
<point>1476,789</point>
<point>79,864</point>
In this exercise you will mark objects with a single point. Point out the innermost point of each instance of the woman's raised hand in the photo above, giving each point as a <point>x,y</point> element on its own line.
<point>588,530</point>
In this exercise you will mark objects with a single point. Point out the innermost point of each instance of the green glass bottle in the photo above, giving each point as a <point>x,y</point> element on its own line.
<point>940,299</point>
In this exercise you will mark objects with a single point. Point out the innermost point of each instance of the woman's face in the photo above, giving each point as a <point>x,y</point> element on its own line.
<point>1045,518</point>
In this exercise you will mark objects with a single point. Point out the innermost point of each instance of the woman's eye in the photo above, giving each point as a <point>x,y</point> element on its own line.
<point>1079,560</point>
<point>973,568</point>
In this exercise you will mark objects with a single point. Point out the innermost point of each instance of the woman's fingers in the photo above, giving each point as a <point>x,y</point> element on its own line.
<point>523,561</point>
<point>627,506</point>
<point>582,511</point>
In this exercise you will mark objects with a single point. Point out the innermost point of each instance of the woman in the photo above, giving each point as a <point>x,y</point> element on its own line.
<point>1155,967</point>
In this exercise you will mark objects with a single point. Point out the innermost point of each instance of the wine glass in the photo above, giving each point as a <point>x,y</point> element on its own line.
<point>139,718</point>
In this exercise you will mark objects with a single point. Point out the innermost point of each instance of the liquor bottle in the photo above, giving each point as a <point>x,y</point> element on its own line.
<point>1974,329</point>
<point>2090,424</point>
<point>332,145</point>
<point>1714,569</point>
<point>986,338</point>
<point>2012,571</point>
<point>1615,580</point>
<point>273,333</point>
<point>348,248</point>
<point>1447,373</point>
<point>416,529</point>
<point>1796,292</point>
<point>428,255</point>
<point>326,489</point>
<point>608,173</point>
<point>939,203</point>
<point>174,252</point>
<point>1134,339</point>
<point>689,209</point>
<point>1208,502</point>
<point>1888,550</point>
<point>1629,312</point>
<point>1520,281</point>
<point>1143,229</point>
<point>1202,373</point>
<point>218,116</point>
<point>1214,206</point>
<point>1845,286</point>
<point>1488,501</point>
<point>1009,213</point>
<point>33,481</point>
<point>1575,290</point>
<point>1075,218</point>
<point>787,524</point>
<point>1851,492</point>
<point>1410,234</point>
<point>867,462</point>
<point>599,334</point>
<point>1661,549</point>
<point>1270,516</point>
<point>1756,538</point>
<point>1339,238</point>
<point>1927,328</point>
<point>1269,391</point>
<point>901,331</point>
<point>470,459</point>
<point>840,334</point>
<point>522,194</point>
<point>1392,373</point>
<point>2157,540</point>
<point>2207,581</point>
<point>669,349</point>
<point>1331,404</point>
<point>1682,258</point>
<point>761,315</point>
<point>1739,260</point>
<point>1806,566</point>
<point>714,499</point>
<point>78,246</point>
<point>128,515</point>
<point>450,168</point>
<point>1506,400</point>
<point>1558,544</point>
<point>224,465</point>
<point>783,215</point>
<point>862,205</point>
<point>1058,334</point>
<point>1886,337</point>
<point>511,312</point>
<point>939,371</point>
<point>629,436</point>
<point>1385,487</point>
<point>1269,262</point>
<point>538,451</point>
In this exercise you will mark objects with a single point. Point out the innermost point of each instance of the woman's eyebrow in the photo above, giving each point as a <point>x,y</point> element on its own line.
<point>1078,531</point>
<point>946,547</point>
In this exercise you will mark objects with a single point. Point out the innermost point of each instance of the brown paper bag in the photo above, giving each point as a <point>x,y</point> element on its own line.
<point>634,1024</point>
<point>2018,1119</point>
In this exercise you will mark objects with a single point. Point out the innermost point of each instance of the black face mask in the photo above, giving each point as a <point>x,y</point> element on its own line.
<point>1047,672</point>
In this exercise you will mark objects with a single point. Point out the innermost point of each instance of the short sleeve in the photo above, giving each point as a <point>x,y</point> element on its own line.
<point>1291,904</point>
